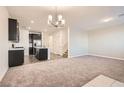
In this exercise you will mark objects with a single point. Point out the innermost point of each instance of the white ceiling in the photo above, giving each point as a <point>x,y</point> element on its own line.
<point>82,17</point>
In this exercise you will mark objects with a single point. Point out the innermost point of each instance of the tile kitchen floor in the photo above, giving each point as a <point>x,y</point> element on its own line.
<point>31,59</point>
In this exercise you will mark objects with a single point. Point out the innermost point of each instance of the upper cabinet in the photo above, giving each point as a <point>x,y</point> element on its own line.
<point>13,30</point>
<point>34,37</point>
<point>37,36</point>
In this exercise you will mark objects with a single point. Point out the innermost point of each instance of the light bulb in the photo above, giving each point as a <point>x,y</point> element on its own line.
<point>63,21</point>
<point>29,28</point>
<point>32,21</point>
<point>59,17</point>
<point>50,17</point>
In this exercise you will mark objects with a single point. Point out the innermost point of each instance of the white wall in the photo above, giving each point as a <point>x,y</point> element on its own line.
<point>57,41</point>
<point>23,41</point>
<point>78,43</point>
<point>45,39</point>
<point>3,41</point>
<point>107,42</point>
<point>60,42</point>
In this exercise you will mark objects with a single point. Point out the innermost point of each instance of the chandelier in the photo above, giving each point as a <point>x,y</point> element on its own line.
<point>56,21</point>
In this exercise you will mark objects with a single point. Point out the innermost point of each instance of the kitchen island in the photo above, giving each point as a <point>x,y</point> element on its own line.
<point>42,53</point>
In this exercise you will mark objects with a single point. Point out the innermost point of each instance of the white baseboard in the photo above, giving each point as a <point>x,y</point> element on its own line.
<point>96,55</point>
<point>2,75</point>
<point>106,56</point>
<point>78,55</point>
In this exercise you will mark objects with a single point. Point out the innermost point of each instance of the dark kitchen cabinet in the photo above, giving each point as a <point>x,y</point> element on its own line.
<point>13,30</point>
<point>16,57</point>
<point>30,38</point>
<point>34,37</point>
<point>37,36</point>
<point>41,54</point>
<point>32,51</point>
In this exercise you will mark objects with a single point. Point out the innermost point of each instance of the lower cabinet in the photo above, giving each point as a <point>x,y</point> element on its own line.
<point>41,54</point>
<point>16,57</point>
<point>32,51</point>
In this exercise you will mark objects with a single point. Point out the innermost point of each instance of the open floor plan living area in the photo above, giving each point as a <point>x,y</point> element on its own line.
<point>62,46</point>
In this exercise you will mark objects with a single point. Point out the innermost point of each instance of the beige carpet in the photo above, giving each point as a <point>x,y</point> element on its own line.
<point>64,72</point>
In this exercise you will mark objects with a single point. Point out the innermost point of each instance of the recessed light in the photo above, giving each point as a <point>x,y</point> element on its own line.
<point>45,30</point>
<point>32,21</point>
<point>29,28</point>
<point>107,19</point>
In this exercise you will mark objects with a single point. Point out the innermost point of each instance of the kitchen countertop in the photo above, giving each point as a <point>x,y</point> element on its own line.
<point>41,47</point>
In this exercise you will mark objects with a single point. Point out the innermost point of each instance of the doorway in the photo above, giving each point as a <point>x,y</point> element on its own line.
<point>35,40</point>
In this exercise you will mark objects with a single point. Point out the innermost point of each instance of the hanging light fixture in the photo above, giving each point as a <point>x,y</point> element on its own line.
<point>56,21</point>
